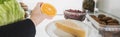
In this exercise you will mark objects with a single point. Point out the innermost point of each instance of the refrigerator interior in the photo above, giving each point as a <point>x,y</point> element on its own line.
<point>110,6</point>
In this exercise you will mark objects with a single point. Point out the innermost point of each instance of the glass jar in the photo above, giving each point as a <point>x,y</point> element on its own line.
<point>88,5</point>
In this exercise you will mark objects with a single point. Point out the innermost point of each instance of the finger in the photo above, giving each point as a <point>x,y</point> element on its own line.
<point>25,8</point>
<point>22,4</point>
<point>39,4</point>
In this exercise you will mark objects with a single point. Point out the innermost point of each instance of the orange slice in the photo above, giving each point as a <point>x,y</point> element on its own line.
<point>48,9</point>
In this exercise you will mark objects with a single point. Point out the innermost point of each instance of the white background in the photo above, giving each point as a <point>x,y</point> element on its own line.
<point>60,5</point>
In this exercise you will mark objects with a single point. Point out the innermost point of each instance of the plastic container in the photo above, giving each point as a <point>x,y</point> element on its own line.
<point>75,14</point>
<point>107,33</point>
<point>105,30</point>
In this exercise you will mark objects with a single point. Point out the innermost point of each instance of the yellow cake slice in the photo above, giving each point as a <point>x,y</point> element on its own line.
<point>70,27</point>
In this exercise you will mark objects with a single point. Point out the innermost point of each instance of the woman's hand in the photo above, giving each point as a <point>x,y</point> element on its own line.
<point>24,6</point>
<point>36,15</point>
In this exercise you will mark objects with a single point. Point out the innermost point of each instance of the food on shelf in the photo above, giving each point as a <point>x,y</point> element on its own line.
<point>102,22</point>
<point>48,9</point>
<point>70,27</point>
<point>94,17</point>
<point>101,16</point>
<point>74,14</point>
<point>88,5</point>
<point>105,33</point>
<point>108,26</point>
<point>112,21</point>
<point>105,20</point>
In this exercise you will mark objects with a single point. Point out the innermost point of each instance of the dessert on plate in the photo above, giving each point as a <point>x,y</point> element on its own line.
<point>71,28</point>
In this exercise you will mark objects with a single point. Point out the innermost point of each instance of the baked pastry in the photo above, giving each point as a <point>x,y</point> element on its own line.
<point>106,18</point>
<point>94,17</point>
<point>101,16</point>
<point>113,24</point>
<point>112,21</point>
<point>70,27</point>
<point>102,22</point>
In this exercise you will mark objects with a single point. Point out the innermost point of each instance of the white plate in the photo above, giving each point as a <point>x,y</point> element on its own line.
<point>53,31</point>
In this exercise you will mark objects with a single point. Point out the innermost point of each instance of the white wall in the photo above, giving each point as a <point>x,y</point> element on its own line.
<point>60,5</point>
<point>110,6</point>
